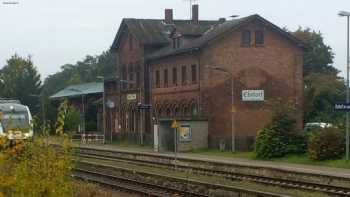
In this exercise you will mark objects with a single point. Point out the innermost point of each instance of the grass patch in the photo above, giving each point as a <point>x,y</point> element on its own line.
<point>294,159</point>
<point>216,152</point>
<point>86,189</point>
<point>128,144</point>
<point>304,159</point>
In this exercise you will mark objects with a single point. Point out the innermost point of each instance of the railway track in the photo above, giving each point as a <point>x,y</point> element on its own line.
<point>182,165</point>
<point>105,175</point>
<point>129,185</point>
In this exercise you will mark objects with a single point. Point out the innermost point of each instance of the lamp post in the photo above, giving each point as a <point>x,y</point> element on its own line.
<point>347,15</point>
<point>104,108</point>
<point>232,110</point>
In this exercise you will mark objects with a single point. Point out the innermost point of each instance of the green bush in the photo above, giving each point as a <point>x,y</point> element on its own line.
<point>270,144</point>
<point>72,120</point>
<point>328,143</point>
<point>296,143</point>
<point>280,136</point>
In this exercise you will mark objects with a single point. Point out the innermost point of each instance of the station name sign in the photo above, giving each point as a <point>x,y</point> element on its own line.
<point>131,97</point>
<point>342,107</point>
<point>253,95</point>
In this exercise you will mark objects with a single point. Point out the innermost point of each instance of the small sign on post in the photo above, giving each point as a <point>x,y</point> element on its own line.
<point>174,126</point>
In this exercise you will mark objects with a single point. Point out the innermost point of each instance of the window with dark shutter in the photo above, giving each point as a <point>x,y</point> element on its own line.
<point>174,76</point>
<point>259,38</point>
<point>183,75</point>
<point>166,78</point>
<point>194,73</point>
<point>131,79</point>
<point>246,38</point>
<point>157,79</point>
<point>138,79</point>
<point>131,76</point>
<point>130,42</point>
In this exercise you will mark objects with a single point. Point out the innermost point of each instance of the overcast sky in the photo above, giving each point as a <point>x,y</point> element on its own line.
<point>56,32</point>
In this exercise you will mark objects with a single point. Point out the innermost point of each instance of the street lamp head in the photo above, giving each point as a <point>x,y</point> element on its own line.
<point>344,13</point>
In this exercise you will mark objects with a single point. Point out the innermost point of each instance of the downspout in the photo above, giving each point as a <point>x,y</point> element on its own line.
<point>199,81</point>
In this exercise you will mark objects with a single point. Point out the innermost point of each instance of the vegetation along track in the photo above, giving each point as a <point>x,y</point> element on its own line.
<point>335,186</point>
<point>152,184</point>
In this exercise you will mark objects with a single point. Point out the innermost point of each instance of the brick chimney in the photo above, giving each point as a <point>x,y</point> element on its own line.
<point>169,16</point>
<point>195,11</point>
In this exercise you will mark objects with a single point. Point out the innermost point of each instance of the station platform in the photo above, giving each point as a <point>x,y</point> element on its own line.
<point>303,168</point>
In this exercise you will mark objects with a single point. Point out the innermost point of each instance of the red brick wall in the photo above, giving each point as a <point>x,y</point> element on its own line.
<point>179,95</point>
<point>275,67</point>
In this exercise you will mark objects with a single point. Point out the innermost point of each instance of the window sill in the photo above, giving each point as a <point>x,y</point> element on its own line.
<point>245,45</point>
<point>259,45</point>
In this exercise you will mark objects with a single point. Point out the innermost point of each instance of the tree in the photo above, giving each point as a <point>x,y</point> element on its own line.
<point>83,71</point>
<point>322,90</point>
<point>322,85</point>
<point>318,57</point>
<point>21,80</point>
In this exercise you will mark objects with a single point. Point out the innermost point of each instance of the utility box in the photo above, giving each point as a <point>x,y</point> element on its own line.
<point>191,134</point>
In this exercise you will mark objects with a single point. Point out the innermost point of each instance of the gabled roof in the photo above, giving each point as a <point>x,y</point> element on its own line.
<point>217,31</point>
<point>156,31</point>
<point>78,90</point>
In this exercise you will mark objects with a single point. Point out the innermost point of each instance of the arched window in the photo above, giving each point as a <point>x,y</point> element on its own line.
<point>194,109</point>
<point>177,112</point>
<point>185,111</point>
<point>168,112</point>
<point>160,112</point>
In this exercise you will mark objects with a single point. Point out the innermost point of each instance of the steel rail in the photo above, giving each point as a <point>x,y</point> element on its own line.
<point>150,189</point>
<point>302,185</point>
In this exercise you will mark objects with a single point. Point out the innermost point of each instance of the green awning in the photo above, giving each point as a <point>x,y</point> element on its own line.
<point>78,90</point>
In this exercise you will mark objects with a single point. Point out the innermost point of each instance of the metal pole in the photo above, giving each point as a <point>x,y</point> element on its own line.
<point>111,124</point>
<point>43,109</point>
<point>141,116</point>
<point>347,93</point>
<point>83,118</point>
<point>104,114</point>
<point>233,117</point>
<point>175,146</point>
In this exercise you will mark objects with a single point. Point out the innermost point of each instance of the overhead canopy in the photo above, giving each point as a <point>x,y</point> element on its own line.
<point>78,90</point>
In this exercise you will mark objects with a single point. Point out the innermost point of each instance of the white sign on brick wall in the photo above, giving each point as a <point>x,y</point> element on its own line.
<point>253,95</point>
<point>131,97</point>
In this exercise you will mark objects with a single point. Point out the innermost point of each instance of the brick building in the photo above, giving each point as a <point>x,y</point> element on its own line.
<point>189,70</point>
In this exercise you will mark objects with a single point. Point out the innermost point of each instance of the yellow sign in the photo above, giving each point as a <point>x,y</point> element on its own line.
<point>174,125</point>
<point>1,115</point>
<point>233,109</point>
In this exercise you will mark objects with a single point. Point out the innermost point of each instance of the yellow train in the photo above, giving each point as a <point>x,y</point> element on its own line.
<point>15,120</point>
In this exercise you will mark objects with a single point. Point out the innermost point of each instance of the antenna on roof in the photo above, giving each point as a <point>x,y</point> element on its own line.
<point>191,3</point>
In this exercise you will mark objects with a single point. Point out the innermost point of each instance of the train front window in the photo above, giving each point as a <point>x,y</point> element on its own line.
<point>15,121</point>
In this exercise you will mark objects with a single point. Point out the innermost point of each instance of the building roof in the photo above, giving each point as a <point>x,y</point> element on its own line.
<point>217,31</point>
<point>157,32</point>
<point>78,90</point>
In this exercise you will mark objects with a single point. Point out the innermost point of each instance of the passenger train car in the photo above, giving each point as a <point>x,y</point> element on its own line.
<point>15,120</point>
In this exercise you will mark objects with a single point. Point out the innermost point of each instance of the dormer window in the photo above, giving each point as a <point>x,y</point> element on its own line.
<point>176,42</point>
<point>245,38</point>
<point>259,38</point>
<point>130,43</point>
